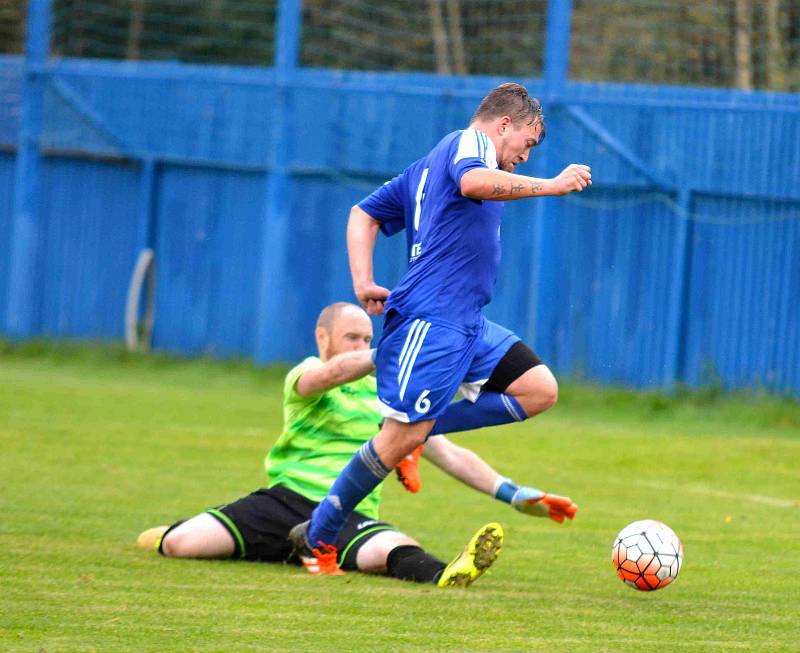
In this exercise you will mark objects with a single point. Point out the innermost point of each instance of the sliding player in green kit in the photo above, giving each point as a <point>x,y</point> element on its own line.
<point>330,410</point>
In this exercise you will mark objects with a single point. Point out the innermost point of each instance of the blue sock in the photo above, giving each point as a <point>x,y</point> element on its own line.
<point>359,477</point>
<point>491,409</point>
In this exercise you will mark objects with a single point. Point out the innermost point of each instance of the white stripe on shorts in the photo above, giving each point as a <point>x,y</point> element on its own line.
<point>413,358</point>
<point>405,346</point>
<point>405,355</point>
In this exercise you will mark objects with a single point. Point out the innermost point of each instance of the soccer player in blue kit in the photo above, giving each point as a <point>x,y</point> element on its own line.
<point>435,339</point>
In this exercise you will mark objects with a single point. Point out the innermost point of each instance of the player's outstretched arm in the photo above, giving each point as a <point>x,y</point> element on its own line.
<point>338,370</point>
<point>486,184</point>
<point>362,232</point>
<point>469,468</point>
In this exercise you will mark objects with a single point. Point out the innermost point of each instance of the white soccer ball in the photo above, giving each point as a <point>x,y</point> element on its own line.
<point>647,555</point>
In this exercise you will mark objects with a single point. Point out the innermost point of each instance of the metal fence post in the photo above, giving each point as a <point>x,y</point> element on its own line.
<point>556,49</point>
<point>682,253</point>
<point>543,299</point>
<point>147,190</point>
<point>271,325</point>
<point>22,308</point>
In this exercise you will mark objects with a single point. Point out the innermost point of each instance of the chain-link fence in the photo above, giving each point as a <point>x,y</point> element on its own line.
<point>212,31</point>
<point>731,44</point>
<point>12,27</point>
<point>487,37</point>
<point>735,43</point>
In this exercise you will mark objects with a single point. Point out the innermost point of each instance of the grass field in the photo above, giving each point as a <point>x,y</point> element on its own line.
<point>96,445</point>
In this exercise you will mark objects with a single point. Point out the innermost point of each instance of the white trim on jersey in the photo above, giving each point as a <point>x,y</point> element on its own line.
<point>474,144</point>
<point>419,196</point>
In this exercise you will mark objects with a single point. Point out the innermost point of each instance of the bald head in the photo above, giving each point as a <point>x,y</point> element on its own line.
<point>330,314</point>
<point>342,327</point>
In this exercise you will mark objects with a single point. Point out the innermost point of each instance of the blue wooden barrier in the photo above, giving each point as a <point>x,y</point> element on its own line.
<point>679,264</point>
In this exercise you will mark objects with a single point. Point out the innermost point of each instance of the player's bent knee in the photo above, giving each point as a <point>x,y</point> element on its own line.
<point>200,537</point>
<point>411,434</point>
<point>544,397</point>
<point>373,555</point>
<point>536,390</point>
<point>398,439</point>
<point>176,545</point>
<point>547,392</point>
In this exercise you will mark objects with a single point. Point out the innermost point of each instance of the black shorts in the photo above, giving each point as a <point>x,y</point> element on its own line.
<point>260,523</point>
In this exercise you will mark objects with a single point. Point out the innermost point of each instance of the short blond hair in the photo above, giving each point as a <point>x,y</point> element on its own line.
<point>512,100</point>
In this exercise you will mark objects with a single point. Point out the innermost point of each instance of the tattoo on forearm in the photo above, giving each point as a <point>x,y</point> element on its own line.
<point>499,190</point>
<point>535,187</point>
<point>516,188</point>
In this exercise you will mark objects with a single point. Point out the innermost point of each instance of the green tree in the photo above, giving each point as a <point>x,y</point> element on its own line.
<point>12,26</point>
<point>729,43</point>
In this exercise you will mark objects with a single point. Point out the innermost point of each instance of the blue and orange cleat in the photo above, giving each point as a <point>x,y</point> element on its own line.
<point>322,560</point>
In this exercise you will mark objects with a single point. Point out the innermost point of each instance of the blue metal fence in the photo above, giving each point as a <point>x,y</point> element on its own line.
<point>679,264</point>
<point>6,207</point>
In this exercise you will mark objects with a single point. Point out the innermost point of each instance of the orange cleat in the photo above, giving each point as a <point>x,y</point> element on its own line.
<point>408,471</point>
<point>318,561</point>
<point>323,560</point>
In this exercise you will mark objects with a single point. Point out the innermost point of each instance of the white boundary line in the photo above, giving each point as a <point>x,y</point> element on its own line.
<point>775,502</point>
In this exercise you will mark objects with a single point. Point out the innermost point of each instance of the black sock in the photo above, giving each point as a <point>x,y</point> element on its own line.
<point>167,532</point>
<point>409,562</point>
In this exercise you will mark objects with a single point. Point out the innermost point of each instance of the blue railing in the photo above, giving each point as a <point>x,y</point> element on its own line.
<point>679,264</point>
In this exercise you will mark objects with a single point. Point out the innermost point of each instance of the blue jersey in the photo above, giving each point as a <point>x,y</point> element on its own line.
<point>453,241</point>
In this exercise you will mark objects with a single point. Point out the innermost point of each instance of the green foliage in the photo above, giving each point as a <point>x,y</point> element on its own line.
<point>214,31</point>
<point>12,33</point>
<point>496,37</point>
<point>741,43</point>
<point>98,445</point>
<point>688,43</point>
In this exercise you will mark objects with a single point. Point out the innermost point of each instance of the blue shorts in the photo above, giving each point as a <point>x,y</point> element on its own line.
<point>421,364</point>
